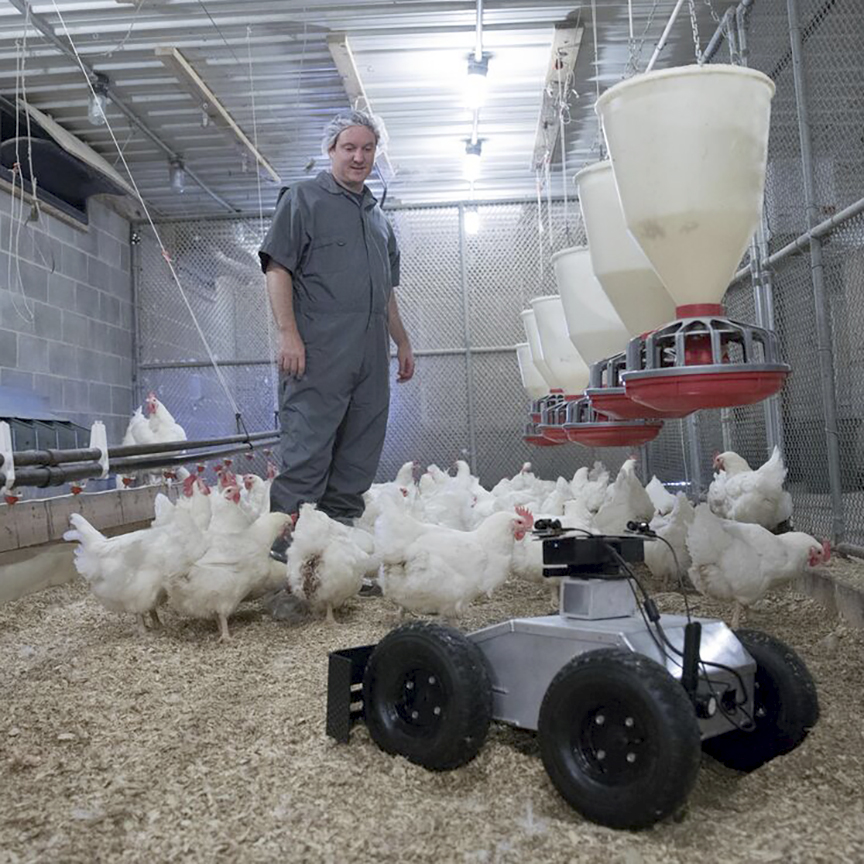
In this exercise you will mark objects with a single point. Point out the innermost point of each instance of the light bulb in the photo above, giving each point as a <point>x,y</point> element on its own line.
<point>475,83</point>
<point>96,108</point>
<point>177,176</point>
<point>472,221</point>
<point>472,161</point>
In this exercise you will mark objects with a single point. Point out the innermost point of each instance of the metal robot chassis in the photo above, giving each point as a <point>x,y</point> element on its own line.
<point>624,699</point>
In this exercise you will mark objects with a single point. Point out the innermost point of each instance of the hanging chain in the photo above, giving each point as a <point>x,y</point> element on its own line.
<point>693,23</point>
<point>635,49</point>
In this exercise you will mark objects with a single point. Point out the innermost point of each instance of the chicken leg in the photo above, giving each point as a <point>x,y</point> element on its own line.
<point>155,620</point>
<point>737,611</point>
<point>142,625</point>
<point>224,635</point>
<point>330,618</point>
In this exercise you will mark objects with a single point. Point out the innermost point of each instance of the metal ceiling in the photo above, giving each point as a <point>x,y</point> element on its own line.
<point>269,64</point>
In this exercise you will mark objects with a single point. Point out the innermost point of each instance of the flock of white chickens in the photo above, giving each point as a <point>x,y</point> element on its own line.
<point>437,544</point>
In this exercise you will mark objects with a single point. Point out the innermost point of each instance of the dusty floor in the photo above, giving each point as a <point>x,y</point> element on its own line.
<point>174,747</point>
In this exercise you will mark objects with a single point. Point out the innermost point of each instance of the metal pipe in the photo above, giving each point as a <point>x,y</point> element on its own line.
<point>478,36</point>
<point>427,352</point>
<point>849,550</point>
<point>720,32</point>
<point>662,43</point>
<point>802,242</point>
<point>820,298</point>
<point>51,456</point>
<point>763,289</point>
<point>469,361</point>
<point>45,476</point>
<point>42,25</point>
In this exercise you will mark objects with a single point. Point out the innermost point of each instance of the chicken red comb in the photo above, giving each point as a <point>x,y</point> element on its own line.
<point>826,551</point>
<point>188,483</point>
<point>526,514</point>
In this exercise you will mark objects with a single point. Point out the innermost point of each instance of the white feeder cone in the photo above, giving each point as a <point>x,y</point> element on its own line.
<point>559,352</point>
<point>533,382</point>
<point>635,291</point>
<point>689,148</point>
<point>536,350</point>
<point>592,322</point>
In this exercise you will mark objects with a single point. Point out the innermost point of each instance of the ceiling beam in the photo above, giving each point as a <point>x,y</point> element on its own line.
<point>343,58</point>
<point>562,61</point>
<point>211,106</point>
<point>45,28</point>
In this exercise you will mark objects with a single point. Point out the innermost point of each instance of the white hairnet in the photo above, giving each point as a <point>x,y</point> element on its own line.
<point>343,121</point>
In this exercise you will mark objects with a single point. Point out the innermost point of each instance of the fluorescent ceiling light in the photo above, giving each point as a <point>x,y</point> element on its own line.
<point>475,83</point>
<point>472,160</point>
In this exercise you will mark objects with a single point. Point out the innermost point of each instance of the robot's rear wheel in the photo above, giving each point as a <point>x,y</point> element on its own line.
<point>427,696</point>
<point>785,706</point>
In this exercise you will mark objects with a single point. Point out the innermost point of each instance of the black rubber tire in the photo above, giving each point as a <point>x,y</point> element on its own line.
<point>427,696</point>
<point>786,706</point>
<point>604,707</point>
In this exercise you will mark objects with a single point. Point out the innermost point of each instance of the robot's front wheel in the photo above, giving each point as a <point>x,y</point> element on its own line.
<point>427,696</point>
<point>619,738</point>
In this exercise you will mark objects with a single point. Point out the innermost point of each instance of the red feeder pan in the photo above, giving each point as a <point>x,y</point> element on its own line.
<point>539,441</point>
<point>690,388</point>
<point>704,360</point>
<point>534,437</point>
<point>614,402</point>
<point>553,434</point>
<point>586,426</point>
<point>628,434</point>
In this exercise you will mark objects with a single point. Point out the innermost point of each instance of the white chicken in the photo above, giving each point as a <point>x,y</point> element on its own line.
<point>672,526</point>
<point>554,502</point>
<point>626,501</point>
<point>162,425</point>
<point>431,569</point>
<point>255,495</point>
<point>127,573</point>
<point>590,486</point>
<point>327,560</point>
<point>662,499</point>
<point>233,567</point>
<point>742,562</point>
<point>743,495</point>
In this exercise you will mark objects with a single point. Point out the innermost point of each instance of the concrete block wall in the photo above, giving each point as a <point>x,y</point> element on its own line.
<point>66,325</point>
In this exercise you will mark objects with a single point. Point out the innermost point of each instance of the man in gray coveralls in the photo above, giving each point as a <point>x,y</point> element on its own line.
<point>331,264</point>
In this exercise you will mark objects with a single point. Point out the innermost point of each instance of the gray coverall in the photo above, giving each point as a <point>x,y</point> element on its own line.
<point>342,255</point>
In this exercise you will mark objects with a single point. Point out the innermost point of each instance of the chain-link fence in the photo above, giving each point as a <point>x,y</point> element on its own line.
<point>461,296</point>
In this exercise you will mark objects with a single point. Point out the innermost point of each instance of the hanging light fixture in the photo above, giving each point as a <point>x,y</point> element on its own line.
<point>475,83</point>
<point>472,220</point>
<point>473,150</point>
<point>98,101</point>
<point>177,175</point>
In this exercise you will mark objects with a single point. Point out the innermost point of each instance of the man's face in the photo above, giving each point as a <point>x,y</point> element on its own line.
<point>353,155</point>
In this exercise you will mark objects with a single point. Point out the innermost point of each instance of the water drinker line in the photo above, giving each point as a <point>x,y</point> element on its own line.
<point>689,148</point>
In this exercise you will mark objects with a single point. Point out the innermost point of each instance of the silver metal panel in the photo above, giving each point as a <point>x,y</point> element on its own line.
<point>595,599</point>
<point>525,654</point>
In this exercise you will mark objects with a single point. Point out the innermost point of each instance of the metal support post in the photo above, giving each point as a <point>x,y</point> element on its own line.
<point>763,288</point>
<point>694,454</point>
<point>820,299</point>
<point>469,360</point>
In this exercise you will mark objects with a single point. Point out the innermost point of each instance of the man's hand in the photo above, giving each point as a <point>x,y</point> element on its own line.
<point>292,354</point>
<point>405,356</point>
